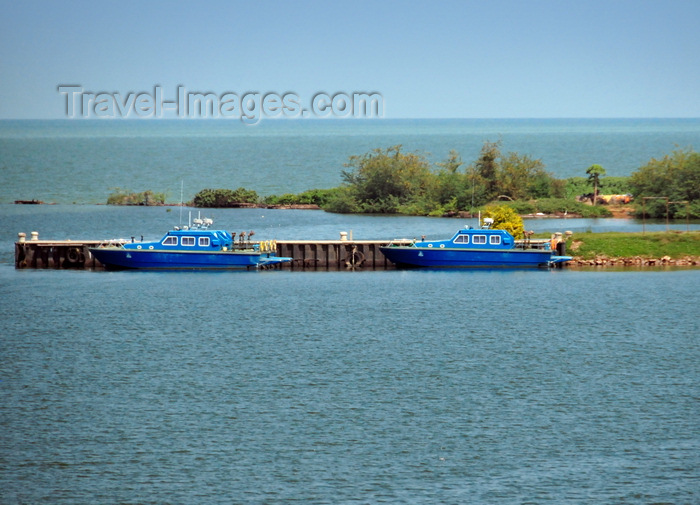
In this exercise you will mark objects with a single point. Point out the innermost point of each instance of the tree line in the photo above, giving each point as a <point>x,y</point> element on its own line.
<point>392,181</point>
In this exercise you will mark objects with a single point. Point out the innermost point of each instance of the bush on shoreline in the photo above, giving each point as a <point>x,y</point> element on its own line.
<point>675,177</point>
<point>559,206</point>
<point>390,181</point>
<point>121,196</point>
<point>223,198</point>
<point>318,197</point>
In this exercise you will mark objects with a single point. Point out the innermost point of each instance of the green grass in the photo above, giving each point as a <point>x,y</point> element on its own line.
<point>629,245</point>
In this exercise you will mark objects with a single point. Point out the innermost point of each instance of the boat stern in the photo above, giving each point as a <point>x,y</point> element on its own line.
<point>270,260</point>
<point>559,259</point>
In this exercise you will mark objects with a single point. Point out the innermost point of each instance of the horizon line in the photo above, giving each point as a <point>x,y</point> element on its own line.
<point>334,119</point>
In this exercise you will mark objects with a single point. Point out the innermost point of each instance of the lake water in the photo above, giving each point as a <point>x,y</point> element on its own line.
<point>277,387</point>
<point>67,161</point>
<point>560,387</point>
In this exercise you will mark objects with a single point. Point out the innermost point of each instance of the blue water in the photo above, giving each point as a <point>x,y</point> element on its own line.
<point>74,161</point>
<point>561,387</point>
<point>276,387</point>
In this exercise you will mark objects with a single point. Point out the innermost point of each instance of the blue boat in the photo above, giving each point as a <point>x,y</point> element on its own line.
<point>474,247</point>
<point>196,247</point>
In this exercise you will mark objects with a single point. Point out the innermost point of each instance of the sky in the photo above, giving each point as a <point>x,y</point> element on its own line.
<point>436,59</point>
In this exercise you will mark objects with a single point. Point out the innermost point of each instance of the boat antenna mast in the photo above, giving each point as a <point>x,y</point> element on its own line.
<point>182,188</point>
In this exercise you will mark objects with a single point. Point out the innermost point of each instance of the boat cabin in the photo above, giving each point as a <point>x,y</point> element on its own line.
<point>500,239</point>
<point>189,240</point>
<point>471,238</point>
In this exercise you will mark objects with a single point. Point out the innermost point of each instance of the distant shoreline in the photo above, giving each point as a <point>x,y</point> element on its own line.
<point>617,213</point>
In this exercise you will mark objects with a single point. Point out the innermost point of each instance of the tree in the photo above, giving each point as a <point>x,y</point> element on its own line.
<point>452,163</point>
<point>127,197</point>
<point>676,176</point>
<point>516,176</point>
<point>383,180</point>
<point>224,197</point>
<point>505,218</point>
<point>595,172</point>
<point>450,189</point>
<point>521,177</point>
<point>487,167</point>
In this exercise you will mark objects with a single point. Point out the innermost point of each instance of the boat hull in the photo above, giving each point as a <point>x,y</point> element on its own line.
<point>424,257</point>
<point>120,258</point>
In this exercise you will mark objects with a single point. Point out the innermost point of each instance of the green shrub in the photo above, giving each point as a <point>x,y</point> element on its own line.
<point>505,218</point>
<point>285,199</point>
<point>676,177</point>
<point>224,197</point>
<point>342,202</point>
<point>556,205</point>
<point>318,197</point>
<point>522,206</point>
<point>388,204</point>
<point>590,211</point>
<point>576,186</point>
<point>121,196</point>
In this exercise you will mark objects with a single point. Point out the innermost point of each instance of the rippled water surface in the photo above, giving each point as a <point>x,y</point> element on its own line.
<point>276,387</point>
<point>349,387</point>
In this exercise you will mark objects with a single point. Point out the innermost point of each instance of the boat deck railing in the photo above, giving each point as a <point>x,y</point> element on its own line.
<point>532,244</point>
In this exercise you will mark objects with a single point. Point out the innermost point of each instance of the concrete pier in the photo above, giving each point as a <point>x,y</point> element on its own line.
<point>308,254</point>
<point>335,254</point>
<point>57,254</point>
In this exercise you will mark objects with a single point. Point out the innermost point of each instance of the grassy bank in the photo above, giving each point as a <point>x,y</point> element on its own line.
<point>675,245</point>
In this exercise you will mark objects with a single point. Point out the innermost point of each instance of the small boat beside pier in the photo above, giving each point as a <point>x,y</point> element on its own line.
<point>474,247</point>
<point>343,254</point>
<point>192,247</point>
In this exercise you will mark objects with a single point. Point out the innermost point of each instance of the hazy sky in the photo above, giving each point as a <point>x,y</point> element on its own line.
<point>432,59</point>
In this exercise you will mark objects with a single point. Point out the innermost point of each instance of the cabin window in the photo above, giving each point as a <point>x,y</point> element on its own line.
<point>462,239</point>
<point>188,241</point>
<point>170,241</point>
<point>203,241</point>
<point>479,239</point>
<point>495,239</point>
